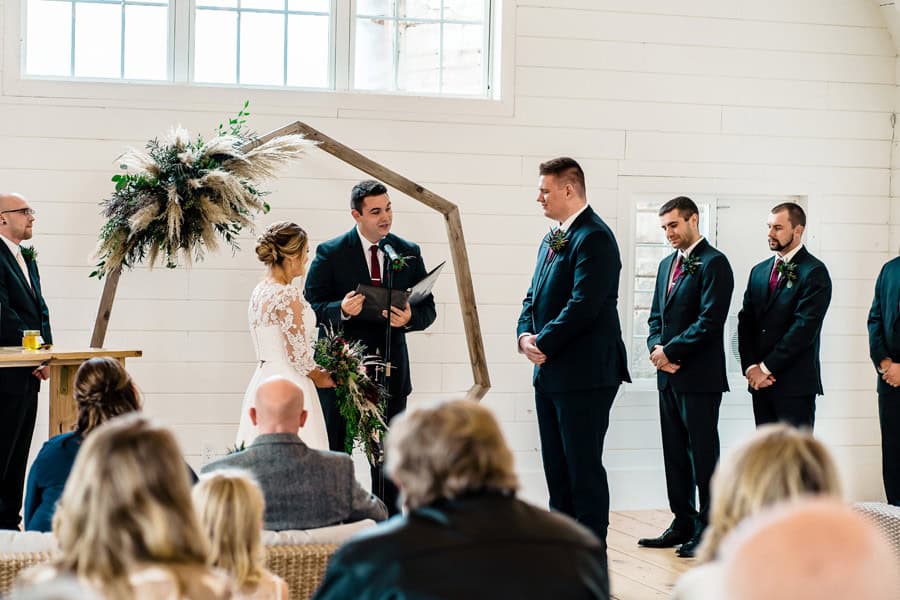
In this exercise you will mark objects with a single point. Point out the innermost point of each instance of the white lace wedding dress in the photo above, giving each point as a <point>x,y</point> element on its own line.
<point>283,328</point>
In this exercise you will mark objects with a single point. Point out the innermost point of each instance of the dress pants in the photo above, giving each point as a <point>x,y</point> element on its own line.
<point>690,440</point>
<point>18,412</point>
<point>889,418</point>
<point>336,426</point>
<point>771,407</point>
<point>572,427</point>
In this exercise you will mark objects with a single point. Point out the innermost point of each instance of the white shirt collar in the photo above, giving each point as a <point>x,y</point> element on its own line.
<point>366,244</point>
<point>687,251</point>
<point>564,226</point>
<point>790,255</point>
<point>13,247</point>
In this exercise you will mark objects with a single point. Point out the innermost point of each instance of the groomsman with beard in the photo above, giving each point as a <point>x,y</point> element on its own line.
<point>884,350</point>
<point>569,329</point>
<point>780,324</point>
<point>687,322</point>
<point>340,265</point>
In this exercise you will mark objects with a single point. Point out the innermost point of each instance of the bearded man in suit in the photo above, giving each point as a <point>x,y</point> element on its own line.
<point>22,307</point>
<point>780,324</point>
<point>686,343</point>
<point>569,329</point>
<point>341,264</point>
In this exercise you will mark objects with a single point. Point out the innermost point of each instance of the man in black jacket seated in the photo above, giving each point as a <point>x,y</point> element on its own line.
<point>464,534</point>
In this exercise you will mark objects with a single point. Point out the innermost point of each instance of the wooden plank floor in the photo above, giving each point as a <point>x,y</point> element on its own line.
<point>641,573</point>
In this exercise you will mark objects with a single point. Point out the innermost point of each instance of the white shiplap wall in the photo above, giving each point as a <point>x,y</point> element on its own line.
<point>720,97</point>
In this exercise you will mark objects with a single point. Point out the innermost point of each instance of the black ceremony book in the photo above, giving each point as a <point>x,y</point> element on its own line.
<point>377,297</point>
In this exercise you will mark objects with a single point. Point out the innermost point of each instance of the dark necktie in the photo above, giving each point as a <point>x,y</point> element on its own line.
<point>676,273</point>
<point>375,269</point>
<point>773,278</point>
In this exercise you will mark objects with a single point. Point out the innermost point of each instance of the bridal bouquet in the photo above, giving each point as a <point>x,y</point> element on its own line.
<point>360,400</point>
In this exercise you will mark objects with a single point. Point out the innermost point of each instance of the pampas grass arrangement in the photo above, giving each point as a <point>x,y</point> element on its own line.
<point>184,196</point>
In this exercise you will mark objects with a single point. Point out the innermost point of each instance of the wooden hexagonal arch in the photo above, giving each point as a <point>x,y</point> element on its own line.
<point>450,211</point>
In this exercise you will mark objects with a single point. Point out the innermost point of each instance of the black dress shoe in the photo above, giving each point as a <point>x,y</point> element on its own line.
<point>689,548</point>
<point>669,539</point>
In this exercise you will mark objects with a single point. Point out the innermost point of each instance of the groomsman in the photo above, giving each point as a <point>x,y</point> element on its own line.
<point>569,329</point>
<point>780,324</point>
<point>687,321</point>
<point>884,350</point>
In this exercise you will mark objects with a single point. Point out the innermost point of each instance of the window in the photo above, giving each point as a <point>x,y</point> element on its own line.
<point>439,47</point>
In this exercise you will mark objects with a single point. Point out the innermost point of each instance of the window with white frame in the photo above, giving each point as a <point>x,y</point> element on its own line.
<point>439,47</point>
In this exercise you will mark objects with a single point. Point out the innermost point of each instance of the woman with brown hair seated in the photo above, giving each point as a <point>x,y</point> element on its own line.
<point>102,390</point>
<point>125,523</point>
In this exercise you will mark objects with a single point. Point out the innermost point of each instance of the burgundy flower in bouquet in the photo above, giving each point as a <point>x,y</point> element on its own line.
<point>361,400</point>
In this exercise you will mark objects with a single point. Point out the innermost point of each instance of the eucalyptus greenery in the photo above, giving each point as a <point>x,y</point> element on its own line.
<point>184,195</point>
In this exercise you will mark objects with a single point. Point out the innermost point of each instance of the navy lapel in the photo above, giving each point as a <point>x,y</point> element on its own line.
<point>16,269</point>
<point>543,267</point>
<point>762,283</point>
<point>355,249</point>
<point>662,286</point>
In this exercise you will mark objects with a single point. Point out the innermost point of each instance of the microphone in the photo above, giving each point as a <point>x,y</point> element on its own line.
<point>389,251</point>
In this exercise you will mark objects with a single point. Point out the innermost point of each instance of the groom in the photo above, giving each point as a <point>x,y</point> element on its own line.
<point>569,329</point>
<point>340,265</point>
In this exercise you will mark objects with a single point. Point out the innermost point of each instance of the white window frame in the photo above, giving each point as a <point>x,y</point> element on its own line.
<point>306,102</point>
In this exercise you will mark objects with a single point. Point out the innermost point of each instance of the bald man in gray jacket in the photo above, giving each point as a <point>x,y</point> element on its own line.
<point>303,488</point>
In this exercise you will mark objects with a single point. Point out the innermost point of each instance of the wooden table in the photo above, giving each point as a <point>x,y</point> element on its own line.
<point>63,363</point>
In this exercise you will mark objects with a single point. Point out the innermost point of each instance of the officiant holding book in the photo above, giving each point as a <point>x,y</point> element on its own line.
<point>341,265</point>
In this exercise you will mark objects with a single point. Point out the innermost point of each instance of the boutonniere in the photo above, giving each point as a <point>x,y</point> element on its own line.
<point>29,253</point>
<point>400,263</point>
<point>557,240</point>
<point>788,272</point>
<point>690,265</point>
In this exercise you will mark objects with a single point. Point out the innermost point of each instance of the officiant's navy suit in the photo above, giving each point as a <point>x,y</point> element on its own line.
<point>884,342</point>
<point>571,307</point>
<point>339,267</point>
<point>783,330</point>
<point>688,321</point>
<point>21,307</point>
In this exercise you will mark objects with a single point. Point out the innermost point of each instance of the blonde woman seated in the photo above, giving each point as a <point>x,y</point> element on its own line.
<point>230,505</point>
<point>777,463</point>
<point>125,523</point>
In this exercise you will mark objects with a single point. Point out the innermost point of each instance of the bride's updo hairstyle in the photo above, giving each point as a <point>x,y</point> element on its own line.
<point>278,241</point>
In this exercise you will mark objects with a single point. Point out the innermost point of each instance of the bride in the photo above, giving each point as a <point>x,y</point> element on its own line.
<point>283,328</point>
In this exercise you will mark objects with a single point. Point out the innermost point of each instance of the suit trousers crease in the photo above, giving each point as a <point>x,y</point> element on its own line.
<point>18,413</point>
<point>690,440</point>
<point>889,419</point>
<point>798,410</point>
<point>572,427</point>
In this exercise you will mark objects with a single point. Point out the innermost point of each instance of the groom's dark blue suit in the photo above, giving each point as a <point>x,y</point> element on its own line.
<point>571,307</point>
<point>688,322</point>
<point>21,307</point>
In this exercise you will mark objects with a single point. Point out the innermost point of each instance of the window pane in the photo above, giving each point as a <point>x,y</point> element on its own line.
<point>307,51</point>
<point>373,66</point>
<point>464,10</point>
<point>262,49</point>
<point>146,42</point>
<point>215,46</point>
<point>319,6</point>
<point>418,69</point>
<point>463,59</point>
<point>216,4</point>
<point>375,7</point>
<point>263,4</point>
<point>98,40</point>
<point>49,37</point>
<point>420,9</point>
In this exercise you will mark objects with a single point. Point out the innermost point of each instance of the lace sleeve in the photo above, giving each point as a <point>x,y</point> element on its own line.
<point>290,318</point>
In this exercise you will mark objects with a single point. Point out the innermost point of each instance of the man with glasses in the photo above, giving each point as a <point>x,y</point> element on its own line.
<point>21,307</point>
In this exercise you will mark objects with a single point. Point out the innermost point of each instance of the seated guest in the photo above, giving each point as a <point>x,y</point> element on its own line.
<point>777,463</point>
<point>230,506</point>
<point>810,550</point>
<point>125,523</point>
<point>464,534</point>
<point>303,488</point>
<point>102,390</point>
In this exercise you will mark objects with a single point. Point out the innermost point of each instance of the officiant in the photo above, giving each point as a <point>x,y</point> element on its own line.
<point>360,256</point>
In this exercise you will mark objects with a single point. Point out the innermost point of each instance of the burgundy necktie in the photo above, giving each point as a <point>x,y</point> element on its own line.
<point>676,273</point>
<point>773,278</point>
<point>375,269</point>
